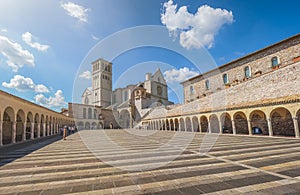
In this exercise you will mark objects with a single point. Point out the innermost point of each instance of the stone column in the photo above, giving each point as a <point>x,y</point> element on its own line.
<point>209,127</point>
<point>174,125</point>
<point>296,127</point>
<point>270,127</point>
<point>44,129</point>
<point>14,128</point>
<point>48,129</point>
<point>192,125</point>
<point>200,128</point>
<point>32,131</point>
<point>39,129</point>
<point>233,127</point>
<point>185,129</point>
<point>220,126</point>
<point>1,124</point>
<point>249,127</point>
<point>24,131</point>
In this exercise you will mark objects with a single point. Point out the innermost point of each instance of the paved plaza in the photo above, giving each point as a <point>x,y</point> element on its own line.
<point>152,162</point>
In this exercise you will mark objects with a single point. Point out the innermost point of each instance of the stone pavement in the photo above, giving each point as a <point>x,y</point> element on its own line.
<point>162,162</point>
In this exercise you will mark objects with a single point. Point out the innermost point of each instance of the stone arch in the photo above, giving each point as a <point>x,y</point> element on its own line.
<point>241,124</point>
<point>188,124</point>
<point>7,126</point>
<point>181,124</point>
<point>94,125</point>
<point>42,126</point>
<point>167,126</point>
<point>176,122</point>
<point>46,126</point>
<point>87,125</point>
<point>89,113</point>
<point>282,122</point>
<point>171,125</point>
<point>204,124</point>
<point>80,125</point>
<point>20,121</point>
<point>124,119</point>
<point>95,113</point>
<point>29,122</point>
<point>36,124</point>
<point>258,119</point>
<point>195,123</point>
<point>214,123</point>
<point>226,123</point>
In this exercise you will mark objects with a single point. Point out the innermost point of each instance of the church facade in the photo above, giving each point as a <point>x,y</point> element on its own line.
<point>119,108</point>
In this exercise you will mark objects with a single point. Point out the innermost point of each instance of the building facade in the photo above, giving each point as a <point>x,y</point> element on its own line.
<point>260,90</point>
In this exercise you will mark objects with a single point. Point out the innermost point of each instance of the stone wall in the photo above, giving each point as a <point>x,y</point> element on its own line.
<point>259,63</point>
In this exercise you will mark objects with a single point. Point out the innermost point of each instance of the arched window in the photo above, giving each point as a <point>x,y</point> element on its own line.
<point>86,100</point>
<point>90,113</point>
<point>225,78</point>
<point>192,91</point>
<point>207,84</point>
<point>247,72</point>
<point>95,114</point>
<point>275,61</point>
<point>84,113</point>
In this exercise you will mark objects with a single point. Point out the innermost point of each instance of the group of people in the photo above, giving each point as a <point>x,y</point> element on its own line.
<point>67,130</point>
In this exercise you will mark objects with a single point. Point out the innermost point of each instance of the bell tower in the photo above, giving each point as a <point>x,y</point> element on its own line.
<point>102,82</point>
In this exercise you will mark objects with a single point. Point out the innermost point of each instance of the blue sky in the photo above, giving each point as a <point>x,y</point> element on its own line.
<point>46,46</point>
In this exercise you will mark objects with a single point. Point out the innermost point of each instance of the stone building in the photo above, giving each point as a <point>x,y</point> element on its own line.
<point>21,120</point>
<point>122,107</point>
<point>259,90</point>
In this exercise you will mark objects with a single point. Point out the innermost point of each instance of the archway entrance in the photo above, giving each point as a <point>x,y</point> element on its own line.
<point>7,126</point>
<point>214,124</point>
<point>195,124</point>
<point>20,125</point>
<point>241,124</point>
<point>188,124</point>
<point>226,123</point>
<point>282,122</point>
<point>204,124</point>
<point>259,120</point>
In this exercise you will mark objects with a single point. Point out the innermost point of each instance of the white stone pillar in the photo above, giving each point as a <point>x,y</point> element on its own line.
<point>185,129</point>
<point>296,127</point>
<point>209,127</point>
<point>1,130</point>
<point>48,129</point>
<point>39,129</point>
<point>249,127</point>
<point>200,128</point>
<point>270,127</point>
<point>44,129</point>
<point>233,127</point>
<point>24,131</point>
<point>220,126</point>
<point>32,131</point>
<point>192,125</point>
<point>14,132</point>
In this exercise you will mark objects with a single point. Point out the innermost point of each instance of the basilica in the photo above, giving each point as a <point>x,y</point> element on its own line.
<point>103,107</point>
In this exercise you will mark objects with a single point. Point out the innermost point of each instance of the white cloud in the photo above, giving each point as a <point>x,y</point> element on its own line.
<point>16,56</point>
<point>57,101</point>
<point>27,38</point>
<point>21,83</point>
<point>180,75</point>
<point>76,11</point>
<point>4,30</point>
<point>86,75</point>
<point>197,29</point>
<point>95,38</point>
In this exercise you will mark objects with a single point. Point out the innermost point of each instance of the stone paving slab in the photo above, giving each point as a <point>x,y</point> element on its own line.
<point>88,162</point>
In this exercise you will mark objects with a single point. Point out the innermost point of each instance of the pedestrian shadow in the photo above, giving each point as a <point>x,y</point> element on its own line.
<point>9,153</point>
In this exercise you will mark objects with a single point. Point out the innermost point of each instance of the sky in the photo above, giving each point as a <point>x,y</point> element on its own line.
<point>46,47</point>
